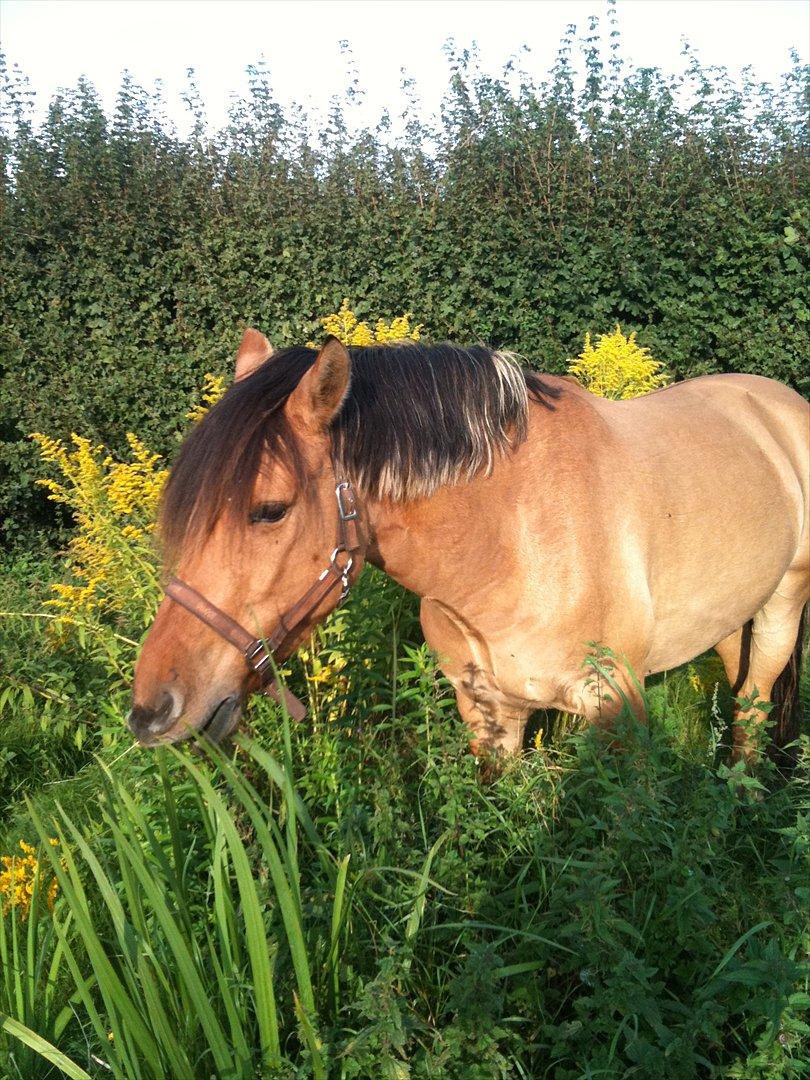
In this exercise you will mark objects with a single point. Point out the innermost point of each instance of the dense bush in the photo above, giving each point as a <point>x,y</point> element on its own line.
<point>528,213</point>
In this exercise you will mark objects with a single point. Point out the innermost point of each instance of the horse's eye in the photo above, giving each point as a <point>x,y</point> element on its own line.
<point>268,512</point>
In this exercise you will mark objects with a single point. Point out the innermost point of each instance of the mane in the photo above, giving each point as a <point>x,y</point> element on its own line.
<point>417,417</point>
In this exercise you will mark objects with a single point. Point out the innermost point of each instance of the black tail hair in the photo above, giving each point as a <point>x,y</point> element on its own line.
<point>787,706</point>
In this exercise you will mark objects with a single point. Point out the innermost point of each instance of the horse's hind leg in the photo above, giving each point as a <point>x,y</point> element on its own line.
<point>774,647</point>
<point>734,652</point>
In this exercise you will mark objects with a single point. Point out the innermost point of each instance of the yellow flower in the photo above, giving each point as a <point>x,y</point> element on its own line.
<point>214,386</point>
<point>344,325</point>
<point>705,673</point>
<point>114,504</point>
<point>323,671</point>
<point>18,878</point>
<point>616,367</point>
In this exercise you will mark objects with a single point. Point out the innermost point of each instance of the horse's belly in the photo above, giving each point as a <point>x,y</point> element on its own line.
<point>713,589</point>
<point>679,640</point>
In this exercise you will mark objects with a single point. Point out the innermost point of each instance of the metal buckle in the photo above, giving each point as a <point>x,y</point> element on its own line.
<point>252,651</point>
<point>344,488</point>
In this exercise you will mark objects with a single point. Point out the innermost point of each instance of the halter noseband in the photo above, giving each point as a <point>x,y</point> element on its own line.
<point>261,652</point>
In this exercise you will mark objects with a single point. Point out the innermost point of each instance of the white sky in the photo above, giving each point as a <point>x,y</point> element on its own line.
<point>56,41</point>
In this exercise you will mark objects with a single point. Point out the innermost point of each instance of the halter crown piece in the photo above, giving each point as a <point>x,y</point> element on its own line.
<point>260,653</point>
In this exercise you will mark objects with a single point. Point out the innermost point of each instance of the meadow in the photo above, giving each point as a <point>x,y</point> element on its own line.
<point>354,896</point>
<point>357,895</point>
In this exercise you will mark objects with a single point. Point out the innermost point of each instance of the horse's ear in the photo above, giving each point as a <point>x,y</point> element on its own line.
<point>317,398</point>
<point>252,353</point>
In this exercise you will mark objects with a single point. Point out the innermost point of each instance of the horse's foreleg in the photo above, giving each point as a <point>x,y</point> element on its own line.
<point>611,688</point>
<point>465,659</point>
<point>493,725</point>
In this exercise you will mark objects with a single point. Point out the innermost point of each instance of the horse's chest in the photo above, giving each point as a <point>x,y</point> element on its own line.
<point>499,661</point>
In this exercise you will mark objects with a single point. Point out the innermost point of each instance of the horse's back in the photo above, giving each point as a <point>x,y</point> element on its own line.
<point>745,429</point>
<point>709,488</point>
<point>770,423</point>
<point>756,405</point>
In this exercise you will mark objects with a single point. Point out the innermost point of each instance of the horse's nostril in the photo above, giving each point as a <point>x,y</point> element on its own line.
<point>144,721</point>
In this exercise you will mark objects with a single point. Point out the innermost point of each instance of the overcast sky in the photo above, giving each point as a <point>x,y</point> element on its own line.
<point>56,41</point>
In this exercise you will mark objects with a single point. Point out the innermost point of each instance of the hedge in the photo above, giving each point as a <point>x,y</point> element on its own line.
<point>528,213</point>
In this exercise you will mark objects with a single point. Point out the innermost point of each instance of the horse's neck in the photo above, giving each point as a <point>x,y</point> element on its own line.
<point>466,537</point>
<point>396,545</point>
<point>444,546</point>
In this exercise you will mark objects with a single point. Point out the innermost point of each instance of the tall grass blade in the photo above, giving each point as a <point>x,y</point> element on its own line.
<point>256,937</point>
<point>338,922</point>
<point>130,1032</point>
<point>42,1047</point>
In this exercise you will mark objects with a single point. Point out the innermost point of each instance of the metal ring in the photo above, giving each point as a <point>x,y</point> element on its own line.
<point>344,570</point>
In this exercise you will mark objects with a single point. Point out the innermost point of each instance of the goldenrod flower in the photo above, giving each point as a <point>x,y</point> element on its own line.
<point>114,504</point>
<point>344,325</point>
<point>616,367</point>
<point>328,685</point>
<point>214,386</point>
<point>18,878</point>
<point>705,673</point>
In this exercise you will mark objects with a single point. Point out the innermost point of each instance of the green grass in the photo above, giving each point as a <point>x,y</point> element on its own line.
<point>356,896</point>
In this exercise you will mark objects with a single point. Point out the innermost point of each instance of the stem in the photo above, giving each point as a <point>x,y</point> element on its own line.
<point>67,619</point>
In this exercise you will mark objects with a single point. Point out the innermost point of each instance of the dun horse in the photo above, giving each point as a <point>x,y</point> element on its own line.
<point>532,519</point>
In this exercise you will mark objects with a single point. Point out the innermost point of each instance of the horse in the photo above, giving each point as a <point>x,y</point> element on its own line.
<point>536,522</point>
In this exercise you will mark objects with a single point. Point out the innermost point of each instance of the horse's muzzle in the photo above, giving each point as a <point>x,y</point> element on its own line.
<point>151,726</point>
<point>223,721</point>
<point>148,724</point>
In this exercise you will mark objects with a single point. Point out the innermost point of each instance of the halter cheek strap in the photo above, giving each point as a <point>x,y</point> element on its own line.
<point>260,653</point>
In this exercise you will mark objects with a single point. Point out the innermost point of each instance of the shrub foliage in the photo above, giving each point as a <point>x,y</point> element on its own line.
<point>529,212</point>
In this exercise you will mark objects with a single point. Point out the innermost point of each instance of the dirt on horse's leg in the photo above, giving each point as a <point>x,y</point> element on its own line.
<point>493,726</point>
<point>773,639</point>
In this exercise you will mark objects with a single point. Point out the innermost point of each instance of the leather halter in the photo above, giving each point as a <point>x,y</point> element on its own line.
<point>261,652</point>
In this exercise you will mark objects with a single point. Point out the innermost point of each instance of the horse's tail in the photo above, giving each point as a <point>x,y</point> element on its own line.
<point>787,706</point>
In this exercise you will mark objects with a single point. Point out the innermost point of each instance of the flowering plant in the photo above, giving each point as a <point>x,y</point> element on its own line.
<point>21,876</point>
<point>114,504</point>
<point>345,326</point>
<point>616,367</point>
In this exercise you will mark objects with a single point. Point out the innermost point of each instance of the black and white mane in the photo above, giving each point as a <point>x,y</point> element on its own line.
<point>416,417</point>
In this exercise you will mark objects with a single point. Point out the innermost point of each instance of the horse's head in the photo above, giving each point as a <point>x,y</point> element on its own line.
<point>249,521</point>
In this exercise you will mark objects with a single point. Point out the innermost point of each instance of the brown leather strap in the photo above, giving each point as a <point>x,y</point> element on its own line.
<point>238,636</point>
<point>193,601</point>
<point>260,653</point>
